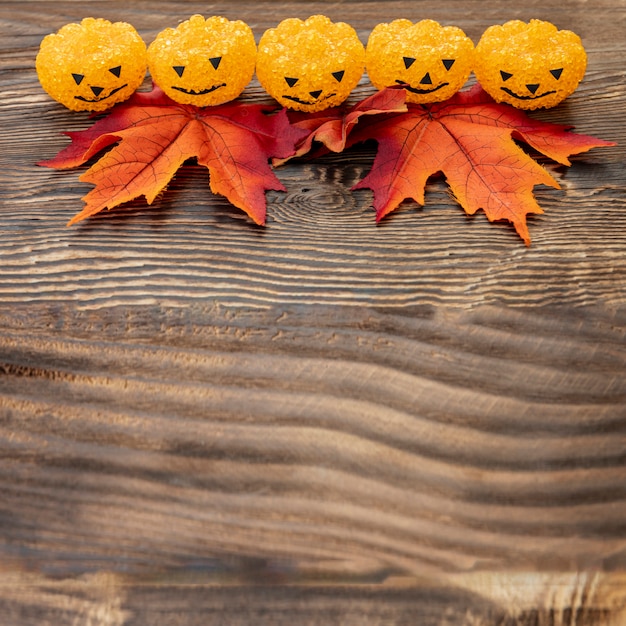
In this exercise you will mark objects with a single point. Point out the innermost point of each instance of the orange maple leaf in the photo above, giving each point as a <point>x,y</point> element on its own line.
<point>470,139</point>
<point>154,136</point>
<point>331,127</point>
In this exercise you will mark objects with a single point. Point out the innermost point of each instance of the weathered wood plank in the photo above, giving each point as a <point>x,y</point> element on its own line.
<point>107,599</point>
<point>315,444</point>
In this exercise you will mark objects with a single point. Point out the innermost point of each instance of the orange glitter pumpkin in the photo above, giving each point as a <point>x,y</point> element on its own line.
<point>529,66</point>
<point>204,62</point>
<point>310,65</point>
<point>432,61</point>
<point>92,65</point>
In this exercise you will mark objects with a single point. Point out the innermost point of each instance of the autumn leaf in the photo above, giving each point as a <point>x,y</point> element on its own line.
<point>332,126</point>
<point>154,136</point>
<point>472,141</point>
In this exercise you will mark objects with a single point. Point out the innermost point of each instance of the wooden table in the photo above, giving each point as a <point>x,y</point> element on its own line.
<point>320,421</point>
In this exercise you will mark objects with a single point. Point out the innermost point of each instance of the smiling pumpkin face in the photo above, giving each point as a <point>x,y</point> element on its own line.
<point>310,65</point>
<point>529,66</point>
<point>92,65</point>
<point>204,62</point>
<point>432,62</point>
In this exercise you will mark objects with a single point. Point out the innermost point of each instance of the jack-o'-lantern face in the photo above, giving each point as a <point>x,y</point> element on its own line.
<point>530,65</point>
<point>431,62</point>
<point>203,62</point>
<point>92,65</point>
<point>310,65</point>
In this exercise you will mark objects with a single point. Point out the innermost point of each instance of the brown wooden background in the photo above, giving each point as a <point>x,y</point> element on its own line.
<point>322,421</point>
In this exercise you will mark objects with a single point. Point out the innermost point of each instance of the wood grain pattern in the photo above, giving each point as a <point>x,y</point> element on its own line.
<point>322,421</point>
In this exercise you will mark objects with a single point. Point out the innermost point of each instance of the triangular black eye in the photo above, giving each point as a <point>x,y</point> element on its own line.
<point>116,71</point>
<point>448,63</point>
<point>179,69</point>
<point>408,61</point>
<point>291,81</point>
<point>78,78</point>
<point>215,62</point>
<point>338,76</point>
<point>557,73</point>
<point>505,75</point>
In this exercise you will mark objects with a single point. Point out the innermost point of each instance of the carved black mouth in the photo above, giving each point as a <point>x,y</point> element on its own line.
<point>309,102</point>
<point>201,92</point>
<point>533,97</point>
<point>421,91</point>
<point>112,92</point>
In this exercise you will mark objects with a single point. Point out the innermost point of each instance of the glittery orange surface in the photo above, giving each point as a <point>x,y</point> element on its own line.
<point>432,61</point>
<point>92,65</point>
<point>310,65</point>
<point>204,62</point>
<point>529,65</point>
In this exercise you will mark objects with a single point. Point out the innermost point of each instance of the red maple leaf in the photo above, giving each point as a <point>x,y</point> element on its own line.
<point>154,136</point>
<point>470,139</point>
<point>332,126</point>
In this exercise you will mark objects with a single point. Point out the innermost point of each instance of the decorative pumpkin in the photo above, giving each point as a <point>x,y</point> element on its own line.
<point>529,65</point>
<point>310,65</point>
<point>431,61</point>
<point>204,62</point>
<point>92,65</point>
